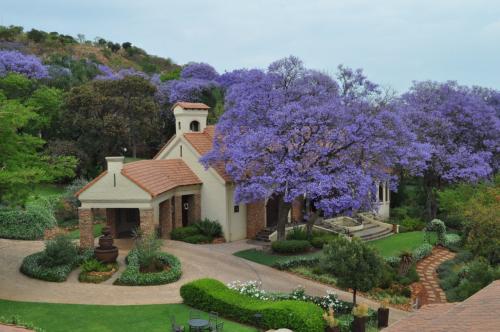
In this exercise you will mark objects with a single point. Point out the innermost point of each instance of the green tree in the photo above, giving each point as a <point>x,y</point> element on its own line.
<point>353,263</point>
<point>22,162</point>
<point>47,103</point>
<point>16,86</point>
<point>111,115</point>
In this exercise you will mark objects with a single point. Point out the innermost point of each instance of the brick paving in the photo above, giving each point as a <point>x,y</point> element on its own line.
<point>426,269</point>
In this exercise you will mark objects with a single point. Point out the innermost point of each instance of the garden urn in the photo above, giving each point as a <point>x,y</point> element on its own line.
<point>358,325</point>
<point>383,317</point>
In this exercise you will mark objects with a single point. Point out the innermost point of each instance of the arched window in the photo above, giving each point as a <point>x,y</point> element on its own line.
<point>194,126</point>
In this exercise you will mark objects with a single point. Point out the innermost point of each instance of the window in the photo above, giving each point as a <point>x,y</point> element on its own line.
<point>236,208</point>
<point>380,193</point>
<point>179,125</point>
<point>194,126</point>
<point>180,150</point>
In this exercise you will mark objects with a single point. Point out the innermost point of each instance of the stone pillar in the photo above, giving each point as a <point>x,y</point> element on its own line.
<point>298,210</point>
<point>166,218</point>
<point>178,211</point>
<point>147,221</point>
<point>256,218</point>
<point>196,207</point>
<point>111,221</point>
<point>85,224</point>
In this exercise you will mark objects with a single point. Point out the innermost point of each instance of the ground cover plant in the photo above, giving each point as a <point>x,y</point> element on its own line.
<point>98,318</point>
<point>147,265</point>
<point>212,295</point>
<point>15,320</point>
<point>55,263</point>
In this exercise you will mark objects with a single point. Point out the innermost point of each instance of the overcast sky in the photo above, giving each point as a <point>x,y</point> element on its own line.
<point>394,41</point>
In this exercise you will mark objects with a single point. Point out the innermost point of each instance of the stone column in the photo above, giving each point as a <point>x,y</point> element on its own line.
<point>147,221</point>
<point>256,218</point>
<point>111,221</point>
<point>196,207</point>
<point>166,218</point>
<point>85,224</point>
<point>178,211</point>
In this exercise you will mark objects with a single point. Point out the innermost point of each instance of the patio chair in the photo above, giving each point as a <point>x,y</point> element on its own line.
<point>194,314</point>
<point>212,320</point>
<point>174,326</point>
<point>218,327</point>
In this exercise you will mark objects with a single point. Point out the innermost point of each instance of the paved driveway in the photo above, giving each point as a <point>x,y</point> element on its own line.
<point>198,261</point>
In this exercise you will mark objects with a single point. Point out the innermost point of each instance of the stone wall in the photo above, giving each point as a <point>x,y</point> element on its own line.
<point>166,218</point>
<point>256,218</point>
<point>177,211</point>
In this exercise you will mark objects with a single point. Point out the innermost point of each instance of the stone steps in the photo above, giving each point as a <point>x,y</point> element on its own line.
<point>372,232</point>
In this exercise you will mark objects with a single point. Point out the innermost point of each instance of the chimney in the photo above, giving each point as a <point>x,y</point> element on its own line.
<point>115,164</point>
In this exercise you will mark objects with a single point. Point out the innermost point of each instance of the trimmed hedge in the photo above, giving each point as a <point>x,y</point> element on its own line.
<point>320,240</point>
<point>213,295</point>
<point>198,238</point>
<point>294,262</point>
<point>133,277</point>
<point>290,246</point>
<point>181,233</point>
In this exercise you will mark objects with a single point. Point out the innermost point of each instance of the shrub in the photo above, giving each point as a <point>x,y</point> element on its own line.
<point>198,238</point>
<point>93,265</point>
<point>181,233</point>
<point>59,251</point>
<point>30,223</point>
<point>319,241</point>
<point>212,295</point>
<point>290,246</point>
<point>412,224</point>
<point>296,261</point>
<point>421,252</point>
<point>209,228</point>
<point>297,233</point>
<point>147,248</point>
<point>452,241</point>
<point>132,275</point>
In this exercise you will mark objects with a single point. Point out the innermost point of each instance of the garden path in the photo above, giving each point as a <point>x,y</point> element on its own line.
<point>198,261</point>
<point>9,328</point>
<point>426,270</point>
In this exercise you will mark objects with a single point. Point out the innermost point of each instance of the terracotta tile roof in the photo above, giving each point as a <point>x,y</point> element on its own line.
<point>202,143</point>
<point>88,185</point>
<point>480,312</point>
<point>159,176</point>
<point>191,106</point>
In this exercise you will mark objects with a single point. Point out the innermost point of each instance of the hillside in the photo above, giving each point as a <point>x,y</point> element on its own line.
<point>51,47</point>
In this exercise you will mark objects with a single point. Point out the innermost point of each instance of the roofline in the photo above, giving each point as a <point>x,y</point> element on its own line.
<point>204,108</point>
<point>90,184</point>
<point>171,139</point>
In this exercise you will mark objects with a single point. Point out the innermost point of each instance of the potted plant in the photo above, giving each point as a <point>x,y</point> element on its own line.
<point>383,314</point>
<point>332,324</point>
<point>360,313</point>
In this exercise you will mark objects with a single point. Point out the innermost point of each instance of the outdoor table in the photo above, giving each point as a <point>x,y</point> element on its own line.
<point>198,324</point>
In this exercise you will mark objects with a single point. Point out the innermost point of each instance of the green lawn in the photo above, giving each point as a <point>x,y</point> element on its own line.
<point>97,229</point>
<point>265,258</point>
<point>44,190</point>
<point>101,318</point>
<point>397,243</point>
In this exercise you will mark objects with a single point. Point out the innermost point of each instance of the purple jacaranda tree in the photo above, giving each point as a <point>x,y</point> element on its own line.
<point>462,129</point>
<point>108,74</point>
<point>17,62</point>
<point>291,132</point>
<point>202,71</point>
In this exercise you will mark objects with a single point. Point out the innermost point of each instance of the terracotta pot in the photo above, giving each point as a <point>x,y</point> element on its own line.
<point>383,317</point>
<point>358,325</point>
<point>332,329</point>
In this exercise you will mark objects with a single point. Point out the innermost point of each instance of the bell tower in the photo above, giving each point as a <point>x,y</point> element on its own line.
<point>190,117</point>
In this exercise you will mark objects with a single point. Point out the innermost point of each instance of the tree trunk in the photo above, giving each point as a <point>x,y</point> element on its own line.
<point>431,184</point>
<point>283,210</point>
<point>354,291</point>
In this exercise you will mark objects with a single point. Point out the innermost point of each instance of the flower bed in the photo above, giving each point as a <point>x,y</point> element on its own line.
<point>96,272</point>
<point>132,276</point>
<point>212,295</point>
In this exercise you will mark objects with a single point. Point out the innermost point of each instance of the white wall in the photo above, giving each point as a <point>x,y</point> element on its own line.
<point>237,220</point>
<point>185,117</point>
<point>213,190</point>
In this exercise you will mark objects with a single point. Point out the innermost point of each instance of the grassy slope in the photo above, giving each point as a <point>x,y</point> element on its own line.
<point>267,258</point>
<point>98,318</point>
<point>395,244</point>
